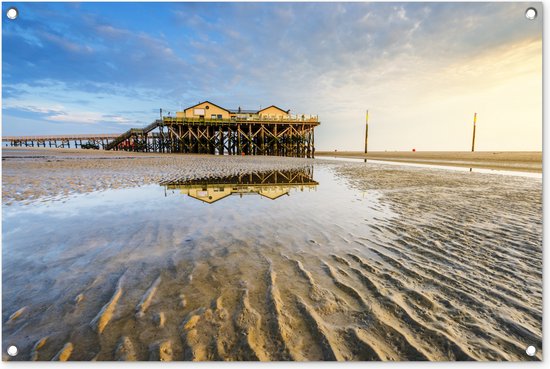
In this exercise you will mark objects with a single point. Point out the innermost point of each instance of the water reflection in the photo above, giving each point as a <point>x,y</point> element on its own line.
<point>271,184</point>
<point>511,172</point>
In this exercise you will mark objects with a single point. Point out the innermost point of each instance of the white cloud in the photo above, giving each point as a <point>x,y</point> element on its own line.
<point>418,68</point>
<point>76,117</point>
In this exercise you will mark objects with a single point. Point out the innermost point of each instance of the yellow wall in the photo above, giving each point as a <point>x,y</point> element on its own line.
<point>274,191</point>
<point>212,109</point>
<point>209,195</point>
<point>268,113</point>
<point>273,113</point>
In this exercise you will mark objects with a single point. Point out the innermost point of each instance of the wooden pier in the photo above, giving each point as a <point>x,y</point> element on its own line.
<point>270,131</point>
<point>91,141</point>
<point>197,136</point>
<point>222,136</point>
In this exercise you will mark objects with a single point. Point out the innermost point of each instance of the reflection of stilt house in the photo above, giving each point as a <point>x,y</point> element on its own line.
<point>271,185</point>
<point>211,129</point>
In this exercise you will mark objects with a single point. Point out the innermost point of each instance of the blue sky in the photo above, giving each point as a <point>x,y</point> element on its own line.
<point>422,69</point>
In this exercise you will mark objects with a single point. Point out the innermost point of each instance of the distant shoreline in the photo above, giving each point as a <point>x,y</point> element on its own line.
<point>524,161</point>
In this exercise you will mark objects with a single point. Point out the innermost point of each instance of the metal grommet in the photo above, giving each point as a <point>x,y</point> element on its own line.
<point>13,351</point>
<point>531,13</point>
<point>531,351</point>
<point>12,13</point>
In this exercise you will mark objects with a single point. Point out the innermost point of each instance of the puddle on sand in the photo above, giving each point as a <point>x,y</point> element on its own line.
<point>436,166</point>
<point>133,265</point>
<point>271,185</point>
<point>278,266</point>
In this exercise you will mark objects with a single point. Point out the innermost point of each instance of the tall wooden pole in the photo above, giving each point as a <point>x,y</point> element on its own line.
<point>474,134</point>
<point>367,133</point>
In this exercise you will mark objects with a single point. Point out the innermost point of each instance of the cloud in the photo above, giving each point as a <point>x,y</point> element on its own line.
<point>60,113</point>
<point>332,59</point>
<point>67,45</point>
<point>80,56</point>
<point>37,109</point>
<point>87,117</point>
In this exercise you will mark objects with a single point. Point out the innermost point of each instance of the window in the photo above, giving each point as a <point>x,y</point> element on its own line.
<point>213,116</point>
<point>219,116</point>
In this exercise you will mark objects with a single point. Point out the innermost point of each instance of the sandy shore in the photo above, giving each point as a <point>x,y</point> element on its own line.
<point>527,161</point>
<point>378,263</point>
<point>29,174</point>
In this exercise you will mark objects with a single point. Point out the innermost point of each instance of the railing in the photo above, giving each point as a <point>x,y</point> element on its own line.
<point>133,131</point>
<point>152,126</point>
<point>62,137</point>
<point>233,120</point>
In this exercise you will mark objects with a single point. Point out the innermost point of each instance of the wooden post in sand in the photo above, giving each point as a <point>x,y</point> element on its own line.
<point>367,133</point>
<point>474,134</point>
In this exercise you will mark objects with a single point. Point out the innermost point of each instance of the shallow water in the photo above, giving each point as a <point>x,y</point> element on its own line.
<point>437,166</point>
<point>317,273</point>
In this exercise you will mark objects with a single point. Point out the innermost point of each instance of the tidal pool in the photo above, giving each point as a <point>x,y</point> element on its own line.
<point>331,262</point>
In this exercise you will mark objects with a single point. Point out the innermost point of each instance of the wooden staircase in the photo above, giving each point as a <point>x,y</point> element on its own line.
<point>133,132</point>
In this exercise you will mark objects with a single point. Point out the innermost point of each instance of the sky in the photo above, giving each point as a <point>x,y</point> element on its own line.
<point>421,69</point>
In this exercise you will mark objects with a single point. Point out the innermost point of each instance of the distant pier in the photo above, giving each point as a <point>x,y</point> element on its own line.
<point>97,141</point>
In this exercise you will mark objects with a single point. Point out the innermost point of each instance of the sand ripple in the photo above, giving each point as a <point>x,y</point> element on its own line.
<point>445,267</point>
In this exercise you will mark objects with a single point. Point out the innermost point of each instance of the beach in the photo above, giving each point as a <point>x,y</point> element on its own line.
<point>527,161</point>
<point>42,173</point>
<point>102,260</point>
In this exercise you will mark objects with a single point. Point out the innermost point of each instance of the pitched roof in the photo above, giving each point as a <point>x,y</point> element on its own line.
<point>236,111</point>
<point>276,107</point>
<point>273,196</point>
<point>208,200</point>
<point>243,111</point>
<point>206,101</point>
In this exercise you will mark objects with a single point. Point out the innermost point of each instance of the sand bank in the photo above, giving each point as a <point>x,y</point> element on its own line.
<point>29,174</point>
<point>527,161</point>
<point>378,263</point>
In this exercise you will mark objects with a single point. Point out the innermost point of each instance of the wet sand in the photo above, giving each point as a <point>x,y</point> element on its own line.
<point>526,161</point>
<point>379,263</point>
<point>45,174</point>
